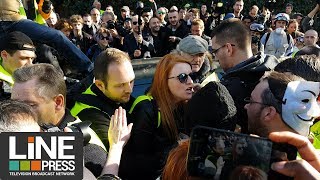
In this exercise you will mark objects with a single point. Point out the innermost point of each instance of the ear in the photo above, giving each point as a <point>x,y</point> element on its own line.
<point>59,101</point>
<point>4,54</point>
<point>269,113</point>
<point>100,85</point>
<point>230,49</point>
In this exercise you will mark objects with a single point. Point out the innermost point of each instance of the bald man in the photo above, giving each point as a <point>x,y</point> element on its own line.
<point>311,38</point>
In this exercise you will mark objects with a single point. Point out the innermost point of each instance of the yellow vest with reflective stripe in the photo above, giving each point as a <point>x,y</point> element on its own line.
<point>5,76</point>
<point>315,130</point>
<point>94,137</point>
<point>39,19</point>
<point>78,107</point>
<point>21,10</point>
<point>142,98</point>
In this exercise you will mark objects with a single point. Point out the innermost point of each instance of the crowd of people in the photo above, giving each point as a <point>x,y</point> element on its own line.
<point>58,71</point>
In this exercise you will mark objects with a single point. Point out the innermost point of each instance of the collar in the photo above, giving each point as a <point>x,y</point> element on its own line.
<point>67,118</point>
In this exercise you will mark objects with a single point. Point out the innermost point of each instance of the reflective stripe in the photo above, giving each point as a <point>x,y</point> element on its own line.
<point>142,98</point>
<point>39,19</point>
<point>22,12</point>
<point>4,75</point>
<point>94,137</point>
<point>78,107</point>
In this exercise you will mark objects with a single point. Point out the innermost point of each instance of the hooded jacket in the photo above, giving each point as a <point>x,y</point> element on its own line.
<point>242,79</point>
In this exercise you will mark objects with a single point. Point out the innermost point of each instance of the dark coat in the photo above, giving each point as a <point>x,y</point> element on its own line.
<point>130,45</point>
<point>181,32</point>
<point>146,152</point>
<point>100,118</point>
<point>242,79</point>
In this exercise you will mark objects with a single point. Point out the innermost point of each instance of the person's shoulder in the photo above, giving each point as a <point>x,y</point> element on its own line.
<point>143,108</point>
<point>90,114</point>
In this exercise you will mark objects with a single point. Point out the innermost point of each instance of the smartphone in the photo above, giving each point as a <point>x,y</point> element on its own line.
<point>217,154</point>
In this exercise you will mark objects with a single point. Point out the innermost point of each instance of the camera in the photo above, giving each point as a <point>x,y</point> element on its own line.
<point>82,127</point>
<point>111,25</point>
<point>255,40</point>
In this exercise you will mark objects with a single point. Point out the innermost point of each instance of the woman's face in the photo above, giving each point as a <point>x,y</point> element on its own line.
<point>180,83</point>
<point>292,28</point>
<point>103,40</point>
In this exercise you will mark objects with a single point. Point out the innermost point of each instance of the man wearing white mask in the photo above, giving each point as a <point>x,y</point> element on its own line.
<point>282,102</point>
<point>278,42</point>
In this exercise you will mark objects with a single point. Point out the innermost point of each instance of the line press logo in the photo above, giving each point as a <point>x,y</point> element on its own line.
<point>42,155</point>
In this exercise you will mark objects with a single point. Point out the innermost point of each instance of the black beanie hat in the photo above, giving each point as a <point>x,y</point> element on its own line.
<point>211,106</point>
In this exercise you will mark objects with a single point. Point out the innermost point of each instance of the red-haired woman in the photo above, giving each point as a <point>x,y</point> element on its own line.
<point>157,118</point>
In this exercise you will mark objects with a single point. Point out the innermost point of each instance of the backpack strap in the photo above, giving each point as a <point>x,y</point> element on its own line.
<point>267,38</point>
<point>288,38</point>
<point>143,98</point>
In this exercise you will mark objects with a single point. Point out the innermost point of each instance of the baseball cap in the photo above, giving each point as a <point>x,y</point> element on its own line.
<point>125,8</point>
<point>193,45</point>
<point>16,40</point>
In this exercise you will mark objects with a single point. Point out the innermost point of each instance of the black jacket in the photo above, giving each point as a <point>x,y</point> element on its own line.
<point>242,79</point>
<point>100,118</point>
<point>145,154</point>
<point>181,32</point>
<point>94,156</point>
<point>130,45</point>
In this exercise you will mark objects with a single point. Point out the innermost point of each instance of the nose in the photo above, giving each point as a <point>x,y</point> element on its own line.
<point>246,106</point>
<point>129,87</point>
<point>189,81</point>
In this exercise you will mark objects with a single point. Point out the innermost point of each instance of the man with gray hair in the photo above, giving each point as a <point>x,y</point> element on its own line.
<point>194,48</point>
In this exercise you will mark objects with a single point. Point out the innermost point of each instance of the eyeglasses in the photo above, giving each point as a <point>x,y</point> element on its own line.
<point>250,101</point>
<point>256,27</point>
<point>95,14</point>
<point>214,51</point>
<point>135,23</point>
<point>161,12</point>
<point>183,77</point>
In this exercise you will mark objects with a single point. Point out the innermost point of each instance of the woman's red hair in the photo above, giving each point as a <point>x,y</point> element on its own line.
<point>162,94</point>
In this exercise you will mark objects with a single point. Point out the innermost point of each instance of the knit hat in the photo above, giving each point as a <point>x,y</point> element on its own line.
<point>16,40</point>
<point>211,106</point>
<point>193,45</point>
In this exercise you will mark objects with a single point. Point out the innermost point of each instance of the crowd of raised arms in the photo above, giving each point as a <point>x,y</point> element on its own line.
<point>255,72</point>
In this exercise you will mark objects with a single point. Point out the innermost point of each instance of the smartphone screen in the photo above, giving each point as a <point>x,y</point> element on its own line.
<point>217,154</point>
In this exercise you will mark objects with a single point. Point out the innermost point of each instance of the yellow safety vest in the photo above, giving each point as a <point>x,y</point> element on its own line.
<point>315,131</point>
<point>78,107</point>
<point>142,98</point>
<point>5,76</point>
<point>39,19</point>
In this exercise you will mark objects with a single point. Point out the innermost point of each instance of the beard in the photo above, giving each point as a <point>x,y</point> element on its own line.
<point>255,125</point>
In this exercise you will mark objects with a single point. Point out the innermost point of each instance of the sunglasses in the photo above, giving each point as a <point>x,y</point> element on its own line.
<point>183,77</point>
<point>135,23</point>
<point>161,12</point>
<point>104,37</point>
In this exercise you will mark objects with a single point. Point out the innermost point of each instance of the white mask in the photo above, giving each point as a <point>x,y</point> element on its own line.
<point>279,31</point>
<point>300,106</point>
